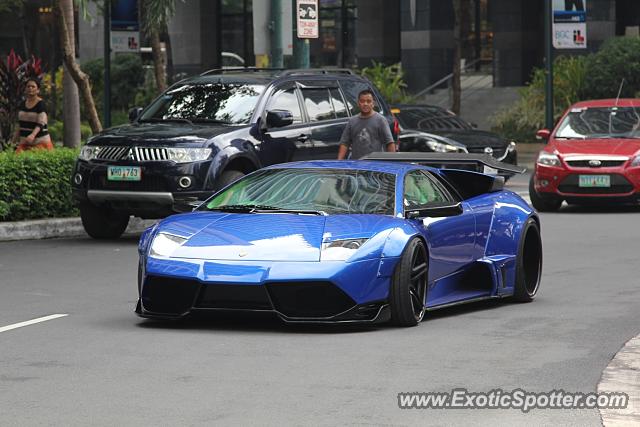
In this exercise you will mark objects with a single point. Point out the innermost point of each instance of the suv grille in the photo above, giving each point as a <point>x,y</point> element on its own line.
<point>497,151</point>
<point>136,154</point>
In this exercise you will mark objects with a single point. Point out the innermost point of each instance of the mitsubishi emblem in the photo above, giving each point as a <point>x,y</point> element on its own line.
<point>488,150</point>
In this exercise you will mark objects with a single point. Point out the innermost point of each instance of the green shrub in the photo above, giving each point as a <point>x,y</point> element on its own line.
<point>389,80</point>
<point>617,59</point>
<point>36,184</point>
<point>521,121</point>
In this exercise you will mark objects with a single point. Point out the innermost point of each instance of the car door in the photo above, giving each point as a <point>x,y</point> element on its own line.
<point>288,143</point>
<point>327,112</point>
<point>450,240</point>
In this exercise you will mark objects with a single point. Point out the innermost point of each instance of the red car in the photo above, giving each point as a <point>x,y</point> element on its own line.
<point>592,155</point>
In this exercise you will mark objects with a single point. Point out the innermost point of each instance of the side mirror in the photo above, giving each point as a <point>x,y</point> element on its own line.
<point>543,134</point>
<point>435,211</point>
<point>279,118</point>
<point>134,113</point>
<point>474,125</point>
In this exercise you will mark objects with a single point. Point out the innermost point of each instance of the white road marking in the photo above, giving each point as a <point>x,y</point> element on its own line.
<point>31,322</point>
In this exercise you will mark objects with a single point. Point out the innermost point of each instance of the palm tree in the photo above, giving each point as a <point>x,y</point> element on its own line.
<point>64,14</point>
<point>156,15</point>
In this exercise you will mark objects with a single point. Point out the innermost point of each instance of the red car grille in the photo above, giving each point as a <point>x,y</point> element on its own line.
<point>592,164</point>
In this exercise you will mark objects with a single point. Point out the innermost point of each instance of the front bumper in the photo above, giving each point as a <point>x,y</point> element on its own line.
<point>298,292</point>
<point>156,195</point>
<point>561,182</point>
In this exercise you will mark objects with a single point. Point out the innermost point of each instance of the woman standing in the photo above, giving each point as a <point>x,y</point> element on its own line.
<point>32,118</point>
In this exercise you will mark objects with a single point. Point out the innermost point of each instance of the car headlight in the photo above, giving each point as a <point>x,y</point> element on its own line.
<point>89,152</point>
<point>184,155</point>
<point>511,147</point>
<point>636,161</point>
<point>340,250</point>
<point>164,244</point>
<point>548,159</point>
<point>441,147</point>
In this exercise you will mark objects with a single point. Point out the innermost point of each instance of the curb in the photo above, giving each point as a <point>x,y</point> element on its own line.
<point>58,227</point>
<point>622,375</point>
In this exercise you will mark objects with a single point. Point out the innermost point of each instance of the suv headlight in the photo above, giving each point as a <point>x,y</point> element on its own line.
<point>511,147</point>
<point>548,159</point>
<point>89,152</point>
<point>164,244</point>
<point>184,155</point>
<point>442,147</point>
<point>340,250</point>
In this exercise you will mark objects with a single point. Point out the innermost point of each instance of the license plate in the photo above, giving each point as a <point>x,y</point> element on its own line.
<point>124,173</point>
<point>594,181</point>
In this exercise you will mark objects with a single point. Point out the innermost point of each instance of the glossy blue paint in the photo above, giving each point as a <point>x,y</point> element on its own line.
<point>470,255</point>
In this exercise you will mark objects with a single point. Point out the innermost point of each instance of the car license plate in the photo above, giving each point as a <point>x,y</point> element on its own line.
<point>124,173</point>
<point>594,181</point>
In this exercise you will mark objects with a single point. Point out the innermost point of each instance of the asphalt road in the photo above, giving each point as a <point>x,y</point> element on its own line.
<point>102,365</point>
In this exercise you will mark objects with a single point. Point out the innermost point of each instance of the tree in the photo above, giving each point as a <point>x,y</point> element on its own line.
<point>64,14</point>
<point>156,15</point>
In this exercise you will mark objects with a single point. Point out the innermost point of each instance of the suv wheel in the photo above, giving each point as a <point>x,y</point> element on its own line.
<point>102,223</point>
<point>227,177</point>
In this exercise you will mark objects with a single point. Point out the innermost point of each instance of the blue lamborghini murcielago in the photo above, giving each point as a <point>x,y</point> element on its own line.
<point>346,241</point>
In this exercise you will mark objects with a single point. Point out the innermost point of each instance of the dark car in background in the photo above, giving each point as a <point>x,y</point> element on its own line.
<point>207,131</point>
<point>428,128</point>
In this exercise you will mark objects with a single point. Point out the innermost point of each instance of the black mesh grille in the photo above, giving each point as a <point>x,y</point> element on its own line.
<point>603,163</point>
<point>309,299</point>
<point>149,182</point>
<point>169,295</point>
<point>619,185</point>
<point>246,297</point>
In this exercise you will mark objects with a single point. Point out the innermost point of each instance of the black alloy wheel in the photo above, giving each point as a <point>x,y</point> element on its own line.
<point>408,291</point>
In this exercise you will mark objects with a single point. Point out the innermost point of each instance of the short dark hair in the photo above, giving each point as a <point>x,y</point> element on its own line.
<point>366,92</point>
<point>33,79</point>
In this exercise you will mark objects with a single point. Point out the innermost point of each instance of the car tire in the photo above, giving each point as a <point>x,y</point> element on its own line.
<point>528,262</point>
<point>543,203</point>
<point>408,292</point>
<point>102,223</point>
<point>227,177</point>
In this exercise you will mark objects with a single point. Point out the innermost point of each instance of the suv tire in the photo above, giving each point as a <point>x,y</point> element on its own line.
<point>227,177</point>
<point>102,223</point>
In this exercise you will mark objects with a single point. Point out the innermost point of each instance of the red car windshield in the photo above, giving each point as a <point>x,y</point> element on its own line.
<point>600,123</point>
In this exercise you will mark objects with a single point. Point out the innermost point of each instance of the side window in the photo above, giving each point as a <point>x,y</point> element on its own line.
<point>318,104</point>
<point>351,90</point>
<point>421,190</point>
<point>338,103</point>
<point>286,100</point>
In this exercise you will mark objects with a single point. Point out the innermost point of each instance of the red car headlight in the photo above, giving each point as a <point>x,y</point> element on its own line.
<point>548,159</point>
<point>636,161</point>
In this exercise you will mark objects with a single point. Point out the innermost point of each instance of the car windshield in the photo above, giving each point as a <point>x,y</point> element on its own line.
<point>600,122</point>
<point>329,191</point>
<point>227,103</point>
<point>431,118</point>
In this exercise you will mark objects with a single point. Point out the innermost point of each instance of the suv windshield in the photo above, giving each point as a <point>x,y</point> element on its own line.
<point>330,191</point>
<point>601,122</point>
<point>226,103</point>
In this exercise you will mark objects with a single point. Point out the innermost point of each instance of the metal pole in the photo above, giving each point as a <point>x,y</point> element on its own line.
<point>300,46</point>
<point>276,33</point>
<point>548,57</point>
<point>107,64</point>
<point>477,24</point>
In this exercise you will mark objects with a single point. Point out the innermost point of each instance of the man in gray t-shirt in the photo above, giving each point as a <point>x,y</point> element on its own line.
<point>367,132</point>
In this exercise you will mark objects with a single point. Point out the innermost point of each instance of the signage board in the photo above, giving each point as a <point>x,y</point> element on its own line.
<point>307,19</point>
<point>569,30</point>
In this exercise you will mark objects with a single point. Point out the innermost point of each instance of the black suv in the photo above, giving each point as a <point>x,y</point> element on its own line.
<point>207,131</point>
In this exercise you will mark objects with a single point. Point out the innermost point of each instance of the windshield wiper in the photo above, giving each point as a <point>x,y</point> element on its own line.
<point>265,208</point>
<point>169,119</point>
<point>205,120</point>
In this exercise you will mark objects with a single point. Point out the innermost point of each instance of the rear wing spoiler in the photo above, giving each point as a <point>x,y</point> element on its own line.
<point>483,163</point>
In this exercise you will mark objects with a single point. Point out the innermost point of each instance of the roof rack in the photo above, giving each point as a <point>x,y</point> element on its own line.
<point>239,70</point>
<point>297,71</point>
